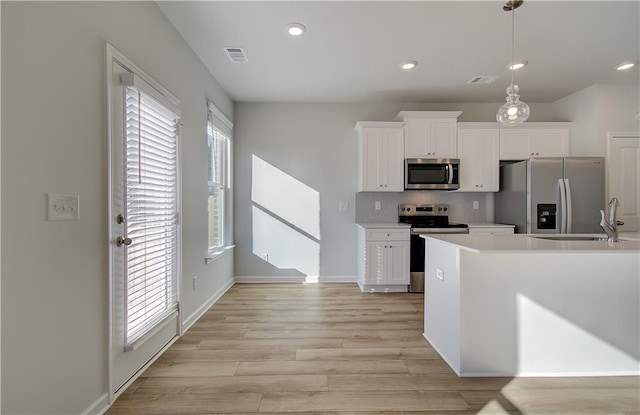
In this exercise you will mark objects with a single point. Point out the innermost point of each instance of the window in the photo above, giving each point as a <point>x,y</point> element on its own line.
<point>219,133</point>
<point>151,209</point>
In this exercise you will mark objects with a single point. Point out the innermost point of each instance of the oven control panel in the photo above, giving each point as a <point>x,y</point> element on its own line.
<point>409,209</point>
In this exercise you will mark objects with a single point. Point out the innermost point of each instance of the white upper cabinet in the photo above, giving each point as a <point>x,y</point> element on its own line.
<point>535,140</point>
<point>478,151</point>
<point>380,156</point>
<point>430,134</point>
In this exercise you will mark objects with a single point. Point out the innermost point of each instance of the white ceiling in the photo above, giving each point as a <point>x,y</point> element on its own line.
<point>352,50</point>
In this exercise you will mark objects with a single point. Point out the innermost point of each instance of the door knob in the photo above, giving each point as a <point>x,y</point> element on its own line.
<point>123,241</point>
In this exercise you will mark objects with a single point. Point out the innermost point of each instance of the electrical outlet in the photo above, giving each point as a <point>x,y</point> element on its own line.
<point>476,205</point>
<point>439,274</point>
<point>195,282</point>
<point>378,205</point>
<point>63,207</point>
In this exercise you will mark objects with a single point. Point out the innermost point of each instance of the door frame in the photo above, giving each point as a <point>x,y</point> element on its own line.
<point>113,55</point>
<point>611,136</point>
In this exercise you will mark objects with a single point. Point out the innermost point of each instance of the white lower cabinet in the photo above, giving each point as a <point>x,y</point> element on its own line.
<point>383,259</point>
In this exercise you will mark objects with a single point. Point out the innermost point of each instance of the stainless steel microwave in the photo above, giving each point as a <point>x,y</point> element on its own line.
<point>431,174</point>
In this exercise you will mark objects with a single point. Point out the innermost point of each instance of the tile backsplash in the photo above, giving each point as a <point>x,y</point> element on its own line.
<point>461,205</point>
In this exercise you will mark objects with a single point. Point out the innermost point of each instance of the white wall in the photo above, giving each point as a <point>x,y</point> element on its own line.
<point>315,144</point>
<point>54,274</point>
<point>597,110</point>
<point>618,104</point>
<point>581,108</point>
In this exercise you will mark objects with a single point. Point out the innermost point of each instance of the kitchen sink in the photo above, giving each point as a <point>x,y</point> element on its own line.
<point>572,238</point>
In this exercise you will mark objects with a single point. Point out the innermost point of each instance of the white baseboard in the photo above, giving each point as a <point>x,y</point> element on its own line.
<point>274,279</point>
<point>612,373</point>
<point>189,321</point>
<point>99,407</point>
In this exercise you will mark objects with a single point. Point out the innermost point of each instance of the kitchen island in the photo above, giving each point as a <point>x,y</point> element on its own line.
<point>518,305</point>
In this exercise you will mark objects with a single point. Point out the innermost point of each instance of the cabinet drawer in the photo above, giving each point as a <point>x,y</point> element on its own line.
<point>497,230</point>
<point>387,235</point>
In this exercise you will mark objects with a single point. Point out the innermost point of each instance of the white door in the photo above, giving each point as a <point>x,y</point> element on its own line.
<point>488,152</point>
<point>398,272</point>
<point>549,143</point>
<point>144,234</point>
<point>443,134</point>
<point>416,138</point>
<point>514,144</point>
<point>624,178</point>
<point>372,163</point>
<point>394,161</point>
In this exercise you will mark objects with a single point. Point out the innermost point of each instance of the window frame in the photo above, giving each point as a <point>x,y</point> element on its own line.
<point>218,122</point>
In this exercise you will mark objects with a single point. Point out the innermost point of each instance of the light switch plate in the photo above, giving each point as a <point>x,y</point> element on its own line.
<point>343,205</point>
<point>63,207</point>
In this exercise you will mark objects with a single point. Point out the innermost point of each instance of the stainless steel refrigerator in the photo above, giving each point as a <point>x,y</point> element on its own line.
<point>552,195</point>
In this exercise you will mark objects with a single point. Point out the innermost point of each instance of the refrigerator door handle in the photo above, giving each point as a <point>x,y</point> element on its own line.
<point>569,208</point>
<point>563,206</point>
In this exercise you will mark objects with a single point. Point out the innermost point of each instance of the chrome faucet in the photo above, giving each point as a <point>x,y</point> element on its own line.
<point>610,226</point>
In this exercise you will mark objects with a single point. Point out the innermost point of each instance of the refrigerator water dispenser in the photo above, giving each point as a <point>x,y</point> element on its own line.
<point>546,216</point>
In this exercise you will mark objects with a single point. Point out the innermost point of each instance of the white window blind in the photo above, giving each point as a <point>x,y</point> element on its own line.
<point>151,199</point>
<point>219,132</point>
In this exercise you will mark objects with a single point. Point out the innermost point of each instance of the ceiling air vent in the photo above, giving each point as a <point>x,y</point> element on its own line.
<point>236,55</point>
<point>483,80</point>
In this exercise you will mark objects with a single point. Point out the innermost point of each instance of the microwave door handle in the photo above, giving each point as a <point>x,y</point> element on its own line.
<point>450,172</point>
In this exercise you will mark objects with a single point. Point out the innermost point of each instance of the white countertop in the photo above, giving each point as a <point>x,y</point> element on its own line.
<point>384,225</point>
<point>630,235</point>
<point>490,225</point>
<point>522,243</point>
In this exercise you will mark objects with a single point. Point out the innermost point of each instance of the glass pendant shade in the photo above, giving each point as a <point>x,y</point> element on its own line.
<point>514,111</point>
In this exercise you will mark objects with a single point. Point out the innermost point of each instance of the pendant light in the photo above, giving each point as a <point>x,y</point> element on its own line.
<point>514,111</point>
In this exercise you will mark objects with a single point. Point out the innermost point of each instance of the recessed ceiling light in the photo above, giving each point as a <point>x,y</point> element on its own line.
<point>519,64</point>
<point>296,29</point>
<point>408,65</point>
<point>626,65</point>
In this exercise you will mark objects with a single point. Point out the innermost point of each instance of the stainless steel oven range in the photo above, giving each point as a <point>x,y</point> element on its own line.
<point>425,219</point>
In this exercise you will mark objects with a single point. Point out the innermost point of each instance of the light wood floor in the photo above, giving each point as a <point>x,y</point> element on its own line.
<point>332,349</point>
